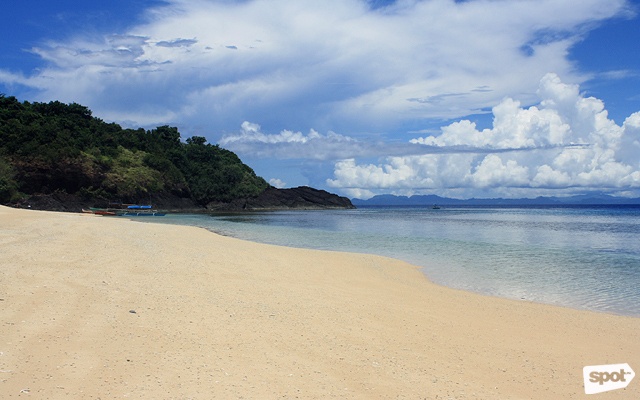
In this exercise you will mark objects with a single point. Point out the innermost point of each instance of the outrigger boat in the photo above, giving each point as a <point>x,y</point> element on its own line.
<point>148,213</point>
<point>127,210</point>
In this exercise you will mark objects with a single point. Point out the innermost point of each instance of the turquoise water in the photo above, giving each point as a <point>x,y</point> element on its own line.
<point>580,257</point>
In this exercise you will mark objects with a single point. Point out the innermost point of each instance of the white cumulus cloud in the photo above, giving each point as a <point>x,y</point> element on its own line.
<point>275,182</point>
<point>564,142</point>
<point>288,144</point>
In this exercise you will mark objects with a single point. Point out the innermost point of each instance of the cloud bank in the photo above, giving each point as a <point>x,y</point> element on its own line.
<point>342,65</point>
<point>567,144</point>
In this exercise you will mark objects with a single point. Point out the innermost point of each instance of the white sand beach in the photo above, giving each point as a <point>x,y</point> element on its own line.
<point>103,308</point>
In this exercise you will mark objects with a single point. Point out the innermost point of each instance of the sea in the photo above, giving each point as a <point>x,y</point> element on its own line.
<point>583,257</point>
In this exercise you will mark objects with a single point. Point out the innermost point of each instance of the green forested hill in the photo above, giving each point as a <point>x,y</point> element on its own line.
<point>48,148</point>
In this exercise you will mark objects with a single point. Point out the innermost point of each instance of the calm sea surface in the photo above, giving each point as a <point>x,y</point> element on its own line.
<point>580,257</point>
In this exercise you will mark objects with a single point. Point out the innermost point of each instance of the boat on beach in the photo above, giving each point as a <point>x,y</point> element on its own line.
<point>104,212</point>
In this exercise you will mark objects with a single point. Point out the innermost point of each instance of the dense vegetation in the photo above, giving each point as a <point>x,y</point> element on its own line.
<point>61,148</point>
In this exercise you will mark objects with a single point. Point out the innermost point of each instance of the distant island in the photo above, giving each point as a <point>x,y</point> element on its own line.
<point>429,200</point>
<point>56,156</point>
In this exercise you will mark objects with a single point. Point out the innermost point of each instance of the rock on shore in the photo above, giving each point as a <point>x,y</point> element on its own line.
<point>302,197</point>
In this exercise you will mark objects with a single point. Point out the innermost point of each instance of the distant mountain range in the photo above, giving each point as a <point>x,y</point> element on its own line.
<point>425,200</point>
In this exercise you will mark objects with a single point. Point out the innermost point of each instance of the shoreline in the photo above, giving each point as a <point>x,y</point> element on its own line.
<point>432,268</point>
<point>96,307</point>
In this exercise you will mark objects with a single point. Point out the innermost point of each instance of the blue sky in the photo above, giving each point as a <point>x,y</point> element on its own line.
<point>477,98</point>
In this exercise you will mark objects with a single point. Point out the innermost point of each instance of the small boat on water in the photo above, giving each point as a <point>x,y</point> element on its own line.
<point>435,207</point>
<point>127,210</point>
<point>136,210</point>
<point>149,213</point>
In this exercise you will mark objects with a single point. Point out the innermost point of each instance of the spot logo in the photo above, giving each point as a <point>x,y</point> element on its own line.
<point>603,378</point>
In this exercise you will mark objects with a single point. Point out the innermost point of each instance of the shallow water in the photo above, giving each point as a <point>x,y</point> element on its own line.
<point>580,257</point>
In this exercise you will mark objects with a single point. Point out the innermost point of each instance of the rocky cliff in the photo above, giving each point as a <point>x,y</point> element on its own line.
<point>301,198</point>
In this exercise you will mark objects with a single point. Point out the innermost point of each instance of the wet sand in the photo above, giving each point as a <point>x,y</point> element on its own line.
<point>104,307</point>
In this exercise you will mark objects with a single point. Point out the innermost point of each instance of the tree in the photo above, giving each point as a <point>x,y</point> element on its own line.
<point>48,147</point>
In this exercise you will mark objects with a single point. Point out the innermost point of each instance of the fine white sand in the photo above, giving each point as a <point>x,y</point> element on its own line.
<point>104,308</point>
